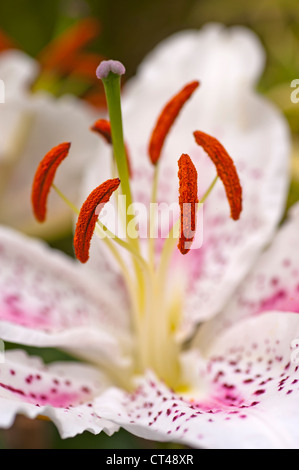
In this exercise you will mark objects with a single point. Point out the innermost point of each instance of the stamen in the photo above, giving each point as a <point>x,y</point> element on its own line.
<point>88,217</point>
<point>103,127</point>
<point>188,200</point>
<point>226,170</point>
<point>166,120</point>
<point>44,177</point>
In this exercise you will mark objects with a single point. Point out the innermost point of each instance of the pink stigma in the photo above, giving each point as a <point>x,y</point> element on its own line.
<point>107,66</point>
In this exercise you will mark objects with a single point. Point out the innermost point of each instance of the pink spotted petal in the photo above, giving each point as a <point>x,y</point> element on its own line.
<point>246,397</point>
<point>64,392</point>
<point>47,300</point>
<point>273,284</point>
<point>231,248</point>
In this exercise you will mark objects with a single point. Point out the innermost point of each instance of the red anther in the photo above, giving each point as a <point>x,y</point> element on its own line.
<point>226,170</point>
<point>103,127</point>
<point>188,200</point>
<point>44,177</point>
<point>88,217</point>
<point>166,120</point>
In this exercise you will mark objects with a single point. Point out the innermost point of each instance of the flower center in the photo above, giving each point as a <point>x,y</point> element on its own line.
<point>156,295</point>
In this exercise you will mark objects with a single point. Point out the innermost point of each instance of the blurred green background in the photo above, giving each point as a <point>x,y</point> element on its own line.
<point>128,30</point>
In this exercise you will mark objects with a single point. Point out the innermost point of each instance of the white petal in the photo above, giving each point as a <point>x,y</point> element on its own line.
<point>64,392</point>
<point>273,284</point>
<point>18,71</point>
<point>260,357</point>
<point>248,396</point>
<point>47,300</point>
<point>230,248</point>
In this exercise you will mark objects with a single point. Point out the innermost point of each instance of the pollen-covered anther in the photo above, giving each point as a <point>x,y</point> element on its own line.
<point>103,128</point>
<point>88,217</point>
<point>188,200</point>
<point>44,177</point>
<point>166,120</point>
<point>226,170</point>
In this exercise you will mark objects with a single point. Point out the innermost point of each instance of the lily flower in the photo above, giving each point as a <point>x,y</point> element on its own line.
<point>31,123</point>
<point>176,344</point>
